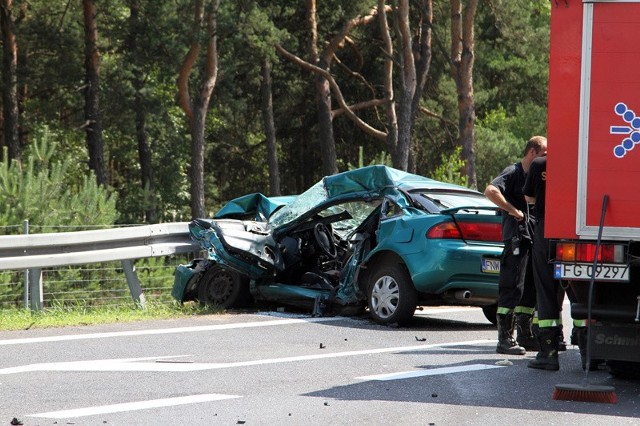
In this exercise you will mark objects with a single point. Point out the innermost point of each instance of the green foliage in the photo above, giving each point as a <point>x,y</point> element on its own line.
<point>46,192</point>
<point>495,150</point>
<point>140,59</point>
<point>382,158</point>
<point>501,138</point>
<point>450,169</point>
<point>60,315</point>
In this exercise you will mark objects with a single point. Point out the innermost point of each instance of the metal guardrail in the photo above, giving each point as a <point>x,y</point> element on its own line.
<point>33,252</point>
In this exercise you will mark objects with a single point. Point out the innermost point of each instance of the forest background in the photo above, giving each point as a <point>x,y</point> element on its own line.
<point>144,111</point>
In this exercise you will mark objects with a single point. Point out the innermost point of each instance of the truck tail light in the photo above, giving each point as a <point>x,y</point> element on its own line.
<point>586,252</point>
<point>475,231</point>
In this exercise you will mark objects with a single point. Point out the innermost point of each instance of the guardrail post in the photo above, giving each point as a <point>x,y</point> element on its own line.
<point>35,289</point>
<point>134,283</point>
<point>25,299</point>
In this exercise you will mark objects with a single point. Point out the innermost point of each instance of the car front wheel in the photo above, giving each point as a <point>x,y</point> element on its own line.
<point>392,298</point>
<point>223,288</point>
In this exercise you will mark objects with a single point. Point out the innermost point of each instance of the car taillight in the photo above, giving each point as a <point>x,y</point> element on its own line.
<point>446,230</point>
<point>586,252</point>
<point>476,231</point>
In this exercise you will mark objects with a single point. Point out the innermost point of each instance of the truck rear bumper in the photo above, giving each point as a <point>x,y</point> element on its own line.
<point>618,313</point>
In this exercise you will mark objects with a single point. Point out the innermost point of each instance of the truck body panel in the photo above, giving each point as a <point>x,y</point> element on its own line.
<point>594,151</point>
<point>593,129</point>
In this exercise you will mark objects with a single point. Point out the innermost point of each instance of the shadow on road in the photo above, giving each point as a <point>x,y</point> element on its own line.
<point>515,387</point>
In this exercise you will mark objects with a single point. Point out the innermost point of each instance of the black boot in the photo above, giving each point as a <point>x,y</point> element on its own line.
<point>547,358</point>
<point>506,343</point>
<point>562,344</point>
<point>524,332</point>
<point>581,340</point>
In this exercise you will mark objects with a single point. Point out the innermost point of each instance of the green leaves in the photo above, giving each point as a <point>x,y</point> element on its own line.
<point>47,192</point>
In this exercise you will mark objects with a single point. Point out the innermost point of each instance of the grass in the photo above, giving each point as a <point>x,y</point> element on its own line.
<point>74,315</point>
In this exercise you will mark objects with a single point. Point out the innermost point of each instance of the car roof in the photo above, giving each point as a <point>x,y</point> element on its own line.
<point>378,177</point>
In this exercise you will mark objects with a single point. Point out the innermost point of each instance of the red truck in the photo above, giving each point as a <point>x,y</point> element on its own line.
<point>593,131</point>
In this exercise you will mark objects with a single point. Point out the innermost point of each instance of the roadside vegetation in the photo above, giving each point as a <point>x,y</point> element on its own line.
<point>79,314</point>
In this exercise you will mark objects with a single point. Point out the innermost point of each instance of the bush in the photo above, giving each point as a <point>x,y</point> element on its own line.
<point>49,194</point>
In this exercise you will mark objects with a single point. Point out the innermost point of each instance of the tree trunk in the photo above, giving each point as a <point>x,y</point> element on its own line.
<point>145,156</point>
<point>422,55</point>
<point>325,123</point>
<point>196,171</point>
<point>269,128</point>
<point>414,67</point>
<point>323,96</point>
<point>144,149</point>
<point>407,88</point>
<point>389,100</point>
<point>326,85</point>
<point>462,58</point>
<point>196,111</point>
<point>422,59</point>
<point>93,124</point>
<point>10,111</point>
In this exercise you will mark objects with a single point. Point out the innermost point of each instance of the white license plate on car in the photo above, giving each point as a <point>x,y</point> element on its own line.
<point>581,271</point>
<point>491,266</point>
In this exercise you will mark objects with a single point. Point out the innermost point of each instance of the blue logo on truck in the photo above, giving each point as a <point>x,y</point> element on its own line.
<point>632,131</point>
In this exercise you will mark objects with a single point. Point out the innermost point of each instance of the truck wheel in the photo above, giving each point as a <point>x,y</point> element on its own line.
<point>490,313</point>
<point>392,298</point>
<point>223,288</point>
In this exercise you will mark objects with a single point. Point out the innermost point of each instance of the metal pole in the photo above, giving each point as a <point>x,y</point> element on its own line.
<point>35,282</point>
<point>25,301</point>
<point>134,283</point>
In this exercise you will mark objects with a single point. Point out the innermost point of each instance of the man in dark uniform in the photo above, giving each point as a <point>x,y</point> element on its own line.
<point>547,287</point>
<point>516,292</point>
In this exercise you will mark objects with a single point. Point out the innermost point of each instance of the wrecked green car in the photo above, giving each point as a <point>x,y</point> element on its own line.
<point>375,239</point>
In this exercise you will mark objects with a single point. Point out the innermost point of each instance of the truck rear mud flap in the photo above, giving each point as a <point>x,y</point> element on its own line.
<point>619,342</point>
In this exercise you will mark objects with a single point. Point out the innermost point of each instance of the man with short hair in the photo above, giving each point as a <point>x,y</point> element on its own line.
<point>516,291</point>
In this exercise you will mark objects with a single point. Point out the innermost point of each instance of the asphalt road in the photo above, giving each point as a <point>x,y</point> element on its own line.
<point>290,369</point>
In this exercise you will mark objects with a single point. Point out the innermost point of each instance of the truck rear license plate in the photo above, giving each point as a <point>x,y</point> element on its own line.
<point>491,266</point>
<point>581,271</point>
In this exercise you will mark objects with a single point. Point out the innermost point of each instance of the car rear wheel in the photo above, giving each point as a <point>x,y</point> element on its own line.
<point>490,313</point>
<point>392,298</point>
<point>224,288</point>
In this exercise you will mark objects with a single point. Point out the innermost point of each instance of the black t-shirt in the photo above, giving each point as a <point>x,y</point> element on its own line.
<point>535,184</point>
<point>510,183</point>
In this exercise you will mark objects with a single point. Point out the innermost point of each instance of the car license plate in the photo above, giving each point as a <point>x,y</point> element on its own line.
<point>581,271</point>
<point>491,266</point>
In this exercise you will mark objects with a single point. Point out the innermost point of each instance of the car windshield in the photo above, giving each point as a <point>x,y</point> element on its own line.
<point>357,211</point>
<point>435,201</point>
<point>302,204</point>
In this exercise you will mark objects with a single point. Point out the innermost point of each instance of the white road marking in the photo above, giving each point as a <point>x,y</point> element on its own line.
<point>139,364</point>
<point>432,311</point>
<point>132,406</point>
<point>282,319</point>
<point>268,323</point>
<point>429,372</point>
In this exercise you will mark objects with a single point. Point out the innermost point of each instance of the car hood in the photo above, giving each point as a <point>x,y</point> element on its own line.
<point>255,206</point>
